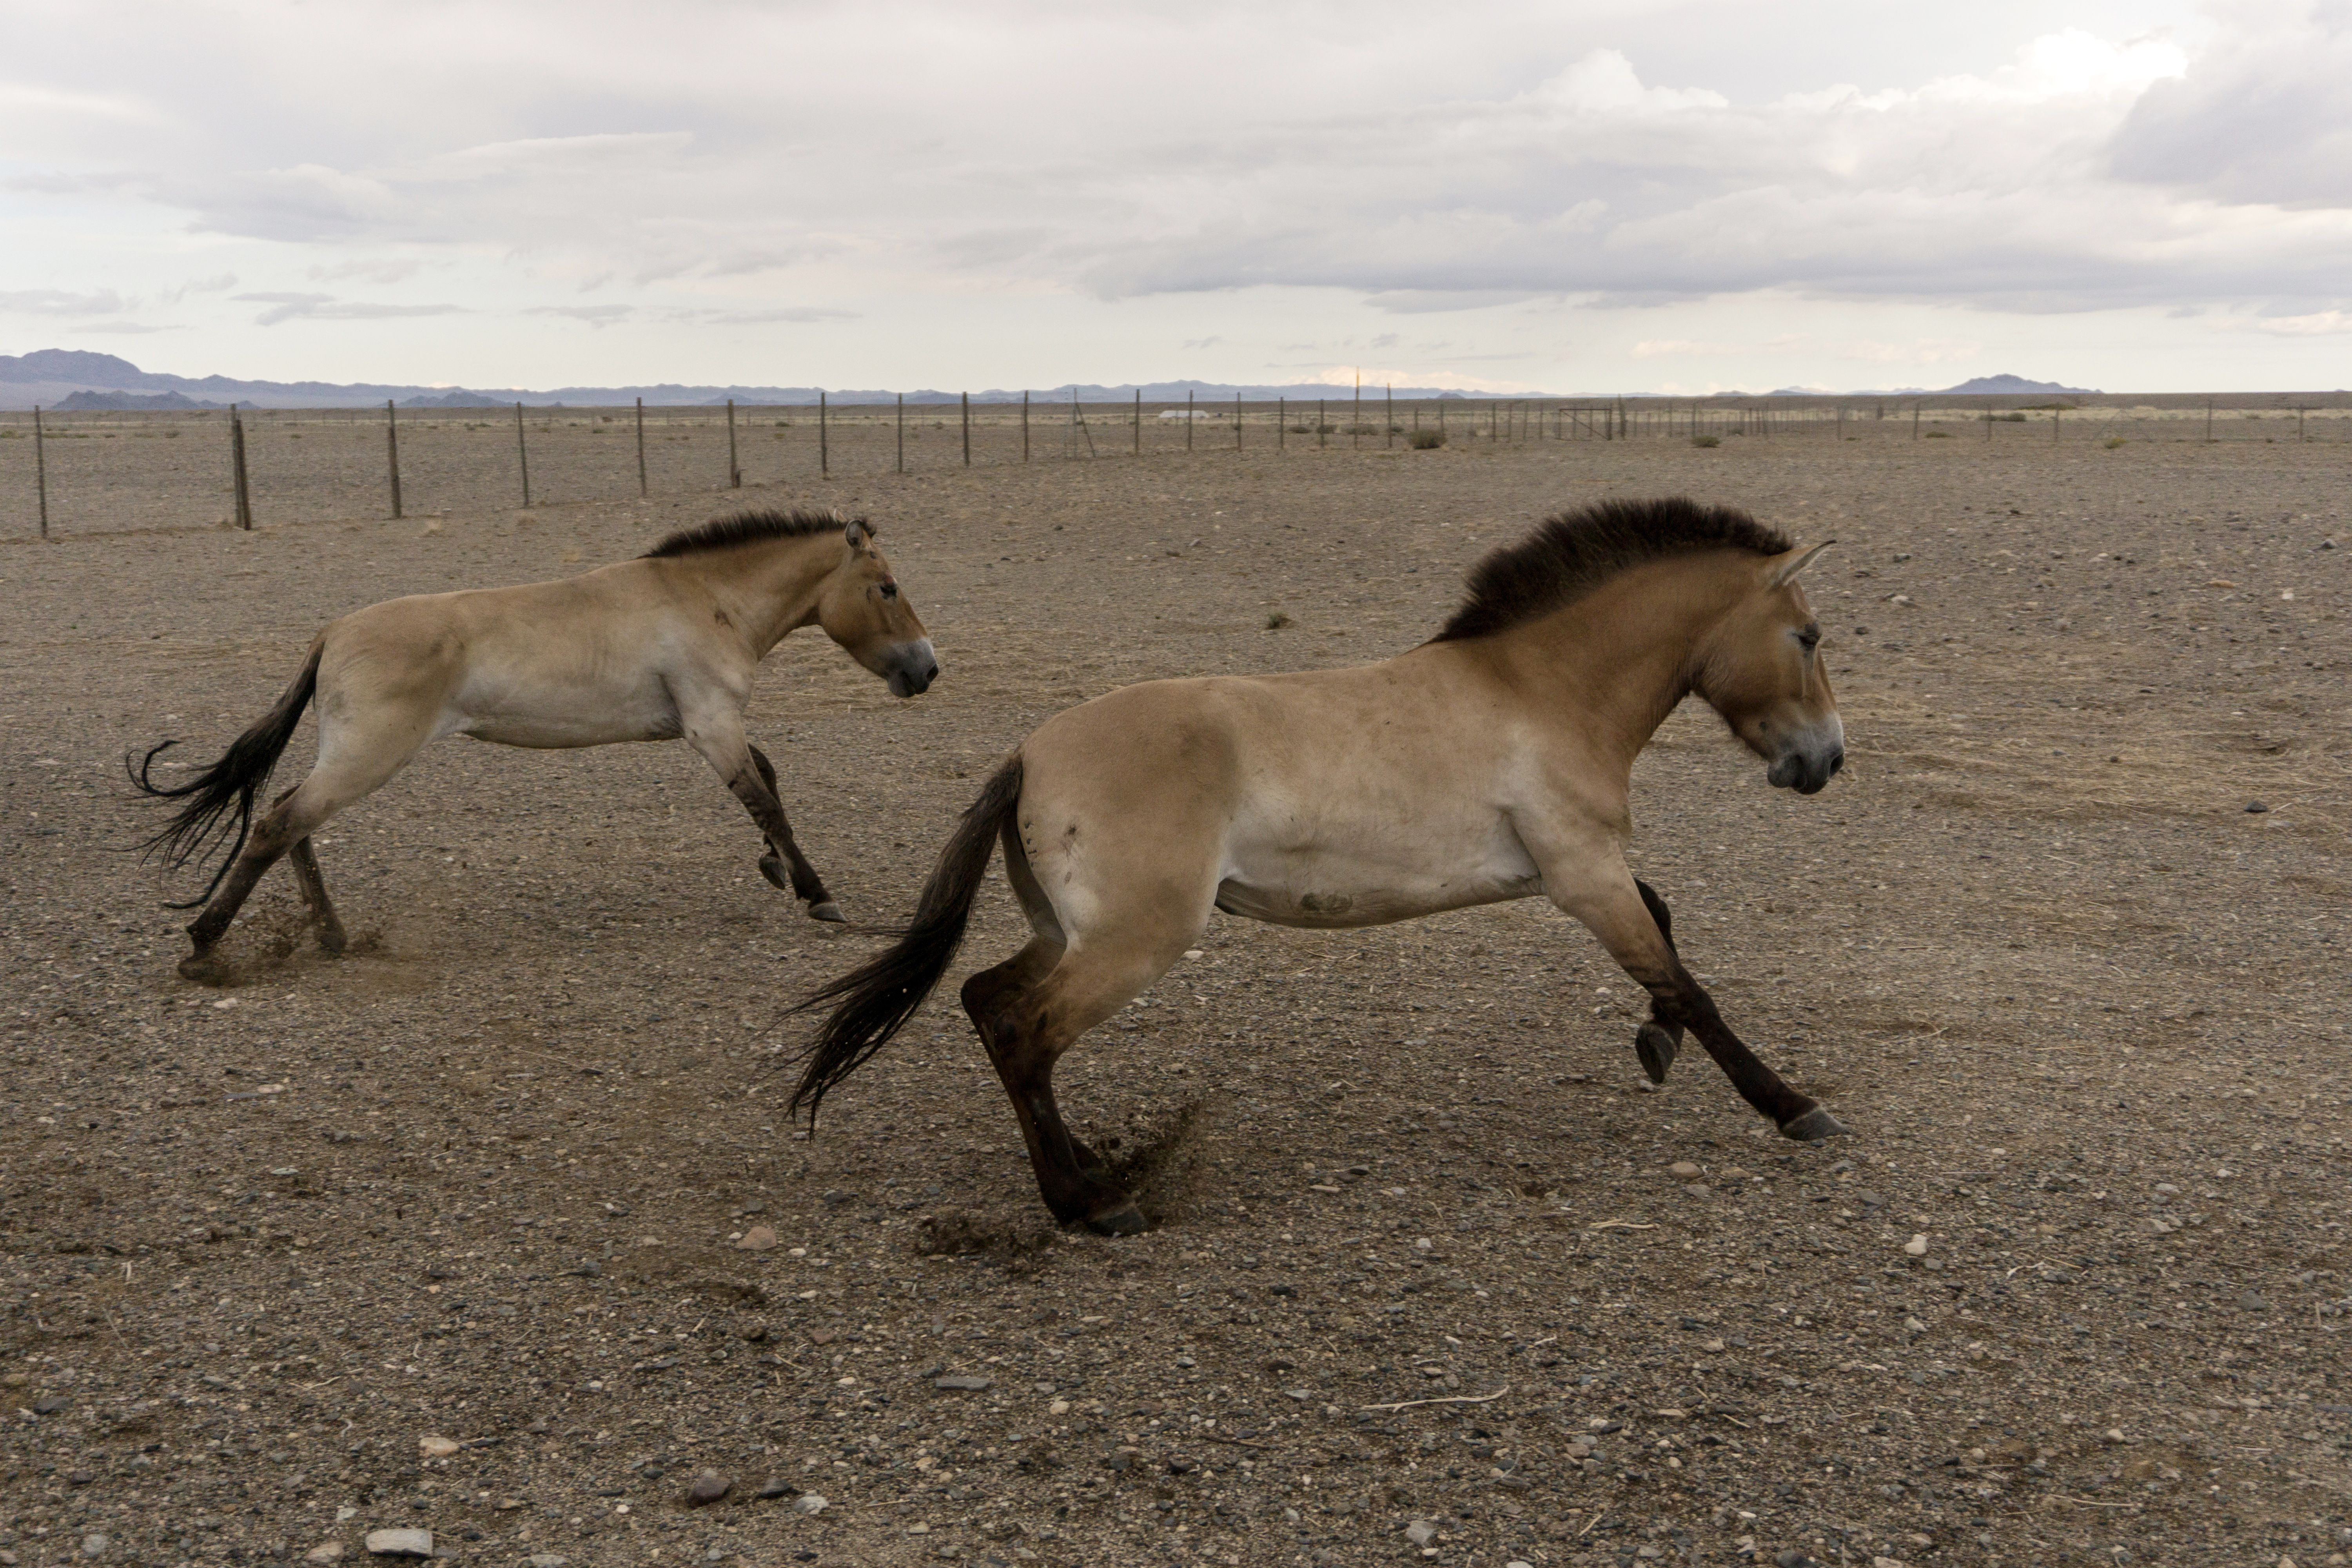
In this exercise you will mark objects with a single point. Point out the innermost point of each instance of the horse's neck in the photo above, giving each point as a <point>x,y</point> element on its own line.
<point>771,587</point>
<point>1633,645</point>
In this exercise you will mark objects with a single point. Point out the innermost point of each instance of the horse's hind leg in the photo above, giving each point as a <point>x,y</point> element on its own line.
<point>1658,1041</point>
<point>314,895</point>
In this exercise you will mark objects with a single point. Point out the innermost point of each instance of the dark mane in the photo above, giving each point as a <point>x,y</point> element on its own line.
<point>1572,552</point>
<point>750,527</point>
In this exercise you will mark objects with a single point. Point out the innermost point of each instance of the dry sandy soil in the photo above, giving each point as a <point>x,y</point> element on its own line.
<point>1424,1285</point>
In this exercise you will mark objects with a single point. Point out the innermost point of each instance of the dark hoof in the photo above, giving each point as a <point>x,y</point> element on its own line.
<point>332,940</point>
<point>1126,1221</point>
<point>826,910</point>
<point>205,969</point>
<point>1656,1049</point>
<point>1813,1126</point>
<point>771,866</point>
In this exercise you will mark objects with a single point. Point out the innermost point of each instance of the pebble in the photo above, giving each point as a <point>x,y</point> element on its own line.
<point>1683,1170</point>
<point>50,1403</point>
<point>776,1487</point>
<point>962,1382</point>
<point>809,1502</point>
<point>1914,1326</point>
<point>400,1542</point>
<point>549,1560</point>
<point>436,1447</point>
<point>707,1488</point>
<point>1916,1246</point>
<point>759,1238</point>
<point>1420,1532</point>
<point>95,1545</point>
<point>332,1552</point>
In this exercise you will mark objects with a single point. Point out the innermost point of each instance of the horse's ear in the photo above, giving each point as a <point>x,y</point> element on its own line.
<point>1792,562</point>
<point>859,536</point>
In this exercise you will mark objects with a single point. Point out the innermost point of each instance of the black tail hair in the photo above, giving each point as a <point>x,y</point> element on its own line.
<point>226,790</point>
<point>877,998</point>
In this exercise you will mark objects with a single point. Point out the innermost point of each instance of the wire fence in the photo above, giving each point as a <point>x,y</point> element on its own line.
<point>101,470</point>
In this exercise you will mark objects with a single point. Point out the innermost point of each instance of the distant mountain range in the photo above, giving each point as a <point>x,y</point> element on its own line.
<point>76,379</point>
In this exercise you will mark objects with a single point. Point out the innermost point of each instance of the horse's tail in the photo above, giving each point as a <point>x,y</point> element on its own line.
<point>225,791</point>
<point>874,1001</point>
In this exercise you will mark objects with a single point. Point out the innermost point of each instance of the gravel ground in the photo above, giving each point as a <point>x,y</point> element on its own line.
<point>470,1231</point>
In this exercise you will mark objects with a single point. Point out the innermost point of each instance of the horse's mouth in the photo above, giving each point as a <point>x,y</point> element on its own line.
<point>1806,772</point>
<point>912,672</point>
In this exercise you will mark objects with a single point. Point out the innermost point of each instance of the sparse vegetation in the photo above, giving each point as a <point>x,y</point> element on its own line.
<point>1938,435</point>
<point>1427,440</point>
<point>1276,621</point>
<point>1706,440</point>
<point>2112,442</point>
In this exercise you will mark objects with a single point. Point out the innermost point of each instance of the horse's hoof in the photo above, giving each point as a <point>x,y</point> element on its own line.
<point>1123,1221</point>
<point>203,969</point>
<point>1656,1049</point>
<point>332,940</point>
<point>771,866</point>
<point>826,910</point>
<point>1813,1126</point>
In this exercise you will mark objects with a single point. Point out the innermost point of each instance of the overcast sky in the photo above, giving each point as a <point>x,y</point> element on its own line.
<point>1631,195</point>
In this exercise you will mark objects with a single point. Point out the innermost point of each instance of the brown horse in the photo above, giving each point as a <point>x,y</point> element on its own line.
<point>1491,763</point>
<point>647,650</point>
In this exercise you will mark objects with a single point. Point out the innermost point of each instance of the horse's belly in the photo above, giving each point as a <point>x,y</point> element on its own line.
<point>557,720</point>
<point>1328,889</point>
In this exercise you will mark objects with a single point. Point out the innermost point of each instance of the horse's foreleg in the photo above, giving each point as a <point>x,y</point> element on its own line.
<point>1658,1041</point>
<point>1613,910</point>
<point>718,737</point>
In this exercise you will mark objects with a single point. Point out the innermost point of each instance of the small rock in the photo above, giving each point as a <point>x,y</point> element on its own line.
<point>549,1560</point>
<point>776,1487</point>
<point>94,1545</point>
<point>437,1447</point>
<point>962,1382</point>
<point>332,1552</point>
<point>2115,1435</point>
<point>809,1502</point>
<point>1916,1246</point>
<point>707,1488</point>
<point>50,1403</point>
<point>1683,1170</point>
<point>1420,1532</point>
<point>759,1238</point>
<point>1793,1558</point>
<point>400,1542</point>
<point>2256,808</point>
<point>1914,1326</point>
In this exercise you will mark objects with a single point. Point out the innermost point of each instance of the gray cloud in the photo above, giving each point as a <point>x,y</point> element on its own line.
<point>288,307</point>
<point>2266,116</point>
<point>598,316</point>
<point>59,302</point>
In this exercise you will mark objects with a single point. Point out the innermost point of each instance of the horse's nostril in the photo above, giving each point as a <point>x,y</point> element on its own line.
<point>1837,761</point>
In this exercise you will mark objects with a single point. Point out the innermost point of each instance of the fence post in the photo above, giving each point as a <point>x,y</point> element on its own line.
<point>1025,424</point>
<point>236,470</point>
<point>734,470</point>
<point>902,432</point>
<point>1139,422</point>
<point>1356,424</point>
<point>391,445</point>
<point>1915,422</point>
<point>641,448</point>
<point>1188,420</point>
<point>1282,423</point>
<point>1237,421</point>
<point>2209,420</point>
<point>967,428</point>
<point>1320,422</point>
<point>522,455</point>
<point>2055,414</point>
<point>41,469</point>
<point>824,446</point>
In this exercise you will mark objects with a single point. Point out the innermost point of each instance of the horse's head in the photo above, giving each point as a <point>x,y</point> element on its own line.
<point>861,607</point>
<point>1761,669</point>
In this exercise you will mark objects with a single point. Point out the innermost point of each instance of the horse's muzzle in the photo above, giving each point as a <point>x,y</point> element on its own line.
<point>913,668</point>
<point>1806,771</point>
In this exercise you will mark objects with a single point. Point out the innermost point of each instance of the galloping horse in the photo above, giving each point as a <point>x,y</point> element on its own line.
<point>647,650</point>
<point>1491,763</point>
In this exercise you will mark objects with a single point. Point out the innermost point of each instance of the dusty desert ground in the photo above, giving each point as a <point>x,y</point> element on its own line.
<point>1427,1283</point>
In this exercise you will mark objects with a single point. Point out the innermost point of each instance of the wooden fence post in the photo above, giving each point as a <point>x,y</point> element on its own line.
<point>641,448</point>
<point>2209,420</point>
<point>41,469</point>
<point>1320,423</point>
<point>391,447</point>
<point>1025,424</point>
<point>902,432</point>
<point>237,471</point>
<point>522,455</point>
<point>1188,420</point>
<point>734,470</point>
<point>1915,422</point>
<point>2055,414</point>
<point>1387,418</point>
<point>967,428</point>
<point>1237,421</point>
<point>1139,422</point>
<point>1356,421</point>
<point>824,446</point>
<point>1282,424</point>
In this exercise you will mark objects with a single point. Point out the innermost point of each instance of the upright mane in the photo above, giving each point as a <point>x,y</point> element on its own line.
<point>1570,553</point>
<point>750,527</point>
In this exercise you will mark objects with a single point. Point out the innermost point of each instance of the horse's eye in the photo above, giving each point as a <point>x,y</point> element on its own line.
<point>889,590</point>
<point>1810,637</point>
